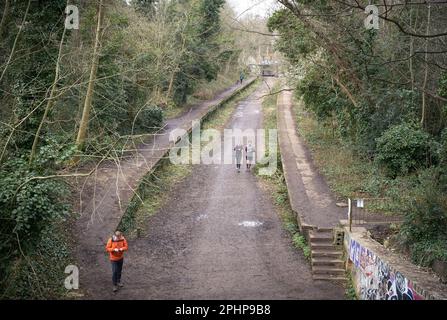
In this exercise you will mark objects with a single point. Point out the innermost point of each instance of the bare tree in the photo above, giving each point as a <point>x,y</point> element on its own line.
<point>16,40</point>
<point>5,16</point>
<point>51,98</point>
<point>83,126</point>
<point>424,86</point>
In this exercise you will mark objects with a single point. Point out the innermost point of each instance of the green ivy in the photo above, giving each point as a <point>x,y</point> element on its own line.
<point>424,230</point>
<point>30,208</point>
<point>403,148</point>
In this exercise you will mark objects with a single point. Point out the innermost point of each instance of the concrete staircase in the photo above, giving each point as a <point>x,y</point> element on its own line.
<point>326,257</point>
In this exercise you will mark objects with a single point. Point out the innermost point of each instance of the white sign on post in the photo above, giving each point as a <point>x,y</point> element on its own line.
<point>360,203</point>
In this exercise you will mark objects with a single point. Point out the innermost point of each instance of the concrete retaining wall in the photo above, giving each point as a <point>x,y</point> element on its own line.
<point>379,274</point>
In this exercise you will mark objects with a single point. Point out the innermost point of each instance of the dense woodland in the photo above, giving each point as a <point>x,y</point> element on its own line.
<point>73,96</point>
<point>383,94</point>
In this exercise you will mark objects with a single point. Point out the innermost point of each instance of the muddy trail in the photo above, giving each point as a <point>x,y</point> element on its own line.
<point>219,237</point>
<point>102,197</point>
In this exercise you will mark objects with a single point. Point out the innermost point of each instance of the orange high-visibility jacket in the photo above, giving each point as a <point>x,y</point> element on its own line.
<point>113,244</point>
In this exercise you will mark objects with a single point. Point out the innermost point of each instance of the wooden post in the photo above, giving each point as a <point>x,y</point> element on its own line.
<point>350,214</point>
<point>138,232</point>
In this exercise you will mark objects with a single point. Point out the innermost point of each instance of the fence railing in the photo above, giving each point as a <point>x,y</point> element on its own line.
<point>370,210</point>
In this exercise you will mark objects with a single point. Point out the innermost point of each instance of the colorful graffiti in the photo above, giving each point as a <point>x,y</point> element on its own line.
<point>375,279</point>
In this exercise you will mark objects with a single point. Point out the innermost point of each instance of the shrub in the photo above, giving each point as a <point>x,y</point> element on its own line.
<point>28,206</point>
<point>443,162</point>
<point>149,119</point>
<point>300,242</point>
<point>424,230</point>
<point>39,274</point>
<point>403,148</point>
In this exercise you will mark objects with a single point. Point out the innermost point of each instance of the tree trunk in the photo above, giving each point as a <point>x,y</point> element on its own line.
<point>346,91</point>
<point>83,126</point>
<point>411,54</point>
<point>177,63</point>
<point>171,86</point>
<point>50,102</point>
<point>15,41</point>
<point>5,17</point>
<point>424,87</point>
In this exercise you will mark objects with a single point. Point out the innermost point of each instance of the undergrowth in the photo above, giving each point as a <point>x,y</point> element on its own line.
<point>414,195</point>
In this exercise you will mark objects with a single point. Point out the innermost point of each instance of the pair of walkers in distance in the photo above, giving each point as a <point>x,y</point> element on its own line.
<point>249,155</point>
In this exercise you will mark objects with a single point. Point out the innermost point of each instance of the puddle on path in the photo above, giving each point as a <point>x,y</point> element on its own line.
<point>250,224</point>
<point>202,217</point>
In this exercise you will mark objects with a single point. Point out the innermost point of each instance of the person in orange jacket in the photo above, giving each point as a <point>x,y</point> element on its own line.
<point>116,246</point>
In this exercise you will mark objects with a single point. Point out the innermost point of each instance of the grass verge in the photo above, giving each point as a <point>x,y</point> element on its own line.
<point>276,184</point>
<point>350,290</point>
<point>347,174</point>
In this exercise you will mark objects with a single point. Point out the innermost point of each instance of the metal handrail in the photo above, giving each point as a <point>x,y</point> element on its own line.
<point>359,203</point>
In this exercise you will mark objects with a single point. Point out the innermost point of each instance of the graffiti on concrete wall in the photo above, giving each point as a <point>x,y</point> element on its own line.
<point>375,279</point>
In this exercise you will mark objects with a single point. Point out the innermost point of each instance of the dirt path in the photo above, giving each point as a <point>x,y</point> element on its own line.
<point>104,196</point>
<point>197,246</point>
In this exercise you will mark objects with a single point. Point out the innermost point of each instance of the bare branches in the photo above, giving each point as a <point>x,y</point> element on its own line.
<point>276,92</point>
<point>398,24</point>
<point>50,99</point>
<point>16,40</point>
<point>254,31</point>
<point>5,17</point>
<point>424,86</point>
<point>82,133</point>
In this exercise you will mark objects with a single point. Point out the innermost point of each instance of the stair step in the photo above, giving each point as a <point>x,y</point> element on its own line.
<point>318,245</point>
<point>328,270</point>
<point>319,239</point>
<point>328,262</point>
<point>326,253</point>
<point>324,230</point>
<point>328,277</point>
<point>321,234</point>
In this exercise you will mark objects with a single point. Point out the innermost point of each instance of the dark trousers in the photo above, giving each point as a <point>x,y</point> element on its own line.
<point>238,161</point>
<point>117,266</point>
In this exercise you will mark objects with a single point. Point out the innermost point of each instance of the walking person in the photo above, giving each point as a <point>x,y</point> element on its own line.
<point>242,76</point>
<point>238,155</point>
<point>250,154</point>
<point>116,246</point>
